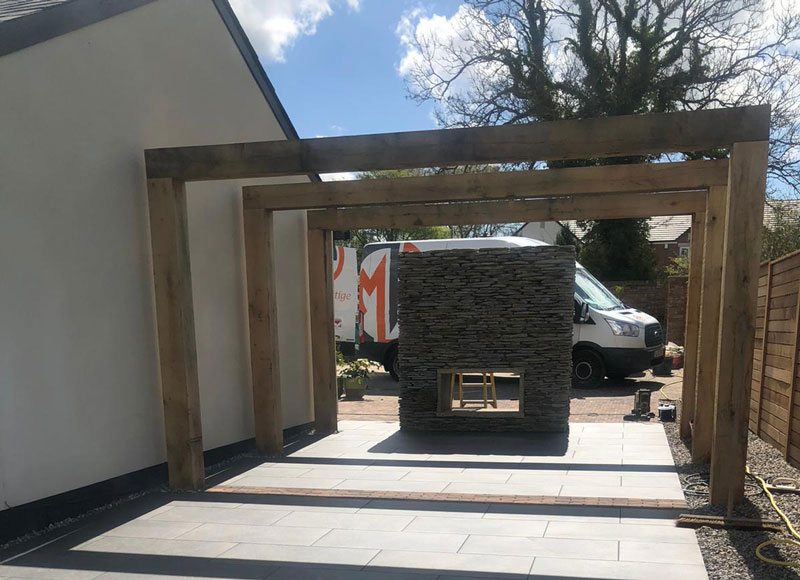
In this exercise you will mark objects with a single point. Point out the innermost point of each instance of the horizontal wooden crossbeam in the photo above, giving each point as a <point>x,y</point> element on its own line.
<point>600,206</point>
<point>545,141</point>
<point>640,178</point>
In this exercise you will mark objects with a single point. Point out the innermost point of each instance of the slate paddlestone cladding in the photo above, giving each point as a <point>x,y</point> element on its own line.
<point>488,308</point>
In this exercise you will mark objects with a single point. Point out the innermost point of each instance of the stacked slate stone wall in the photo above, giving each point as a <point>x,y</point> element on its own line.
<point>489,308</point>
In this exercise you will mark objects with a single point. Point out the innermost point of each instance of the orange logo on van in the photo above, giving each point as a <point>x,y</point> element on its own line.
<point>368,285</point>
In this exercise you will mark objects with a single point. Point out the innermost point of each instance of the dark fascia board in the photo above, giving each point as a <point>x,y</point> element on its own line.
<point>259,74</point>
<point>73,15</point>
<point>60,19</point>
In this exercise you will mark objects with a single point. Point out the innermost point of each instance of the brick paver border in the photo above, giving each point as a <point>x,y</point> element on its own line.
<point>458,497</point>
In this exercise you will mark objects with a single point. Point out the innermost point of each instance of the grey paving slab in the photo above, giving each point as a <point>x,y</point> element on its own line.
<point>552,513</point>
<point>552,547</point>
<point>302,555</point>
<point>622,492</point>
<point>511,567</point>
<point>669,480</point>
<point>214,515</point>
<point>304,482</point>
<point>406,541</point>
<point>664,553</point>
<point>255,534</point>
<point>592,480</point>
<point>152,529</point>
<point>652,517</point>
<point>358,521</point>
<point>426,508</point>
<point>315,504</point>
<point>483,526</point>
<point>552,568</point>
<point>504,488</point>
<point>290,573</point>
<point>474,475</point>
<point>402,485</point>
<point>278,471</point>
<point>385,474</point>
<point>11,571</point>
<point>634,532</point>
<point>158,547</point>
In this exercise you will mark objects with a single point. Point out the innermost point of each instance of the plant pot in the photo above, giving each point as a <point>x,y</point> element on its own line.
<point>354,387</point>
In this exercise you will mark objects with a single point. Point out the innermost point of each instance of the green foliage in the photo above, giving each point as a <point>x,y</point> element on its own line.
<point>783,234</point>
<point>677,267</point>
<point>355,368</point>
<point>618,250</point>
<point>360,238</point>
<point>566,238</point>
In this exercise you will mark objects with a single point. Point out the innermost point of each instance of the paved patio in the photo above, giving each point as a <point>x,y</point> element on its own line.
<point>371,502</point>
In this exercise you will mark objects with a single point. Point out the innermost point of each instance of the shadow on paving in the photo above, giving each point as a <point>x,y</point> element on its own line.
<point>66,552</point>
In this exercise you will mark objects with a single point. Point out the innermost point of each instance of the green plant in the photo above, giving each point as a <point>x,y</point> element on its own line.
<point>340,361</point>
<point>358,368</point>
<point>677,267</point>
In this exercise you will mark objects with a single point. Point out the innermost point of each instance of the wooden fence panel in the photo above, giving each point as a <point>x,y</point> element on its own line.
<point>775,403</point>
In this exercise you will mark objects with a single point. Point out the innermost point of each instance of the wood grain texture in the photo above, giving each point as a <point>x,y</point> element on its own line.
<point>692,329</point>
<point>556,140</point>
<point>323,346</point>
<point>763,353</point>
<point>792,376</point>
<point>263,323</point>
<point>581,207</point>
<point>705,381</point>
<point>177,353</point>
<point>747,184</point>
<point>639,178</point>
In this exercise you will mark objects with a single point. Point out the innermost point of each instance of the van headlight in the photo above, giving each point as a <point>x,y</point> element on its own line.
<point>622,328</point>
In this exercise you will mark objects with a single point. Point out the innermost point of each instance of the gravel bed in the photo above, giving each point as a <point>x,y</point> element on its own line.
<point>730,554</point>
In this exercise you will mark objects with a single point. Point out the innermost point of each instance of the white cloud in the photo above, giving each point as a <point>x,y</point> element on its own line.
<point>274,25</point>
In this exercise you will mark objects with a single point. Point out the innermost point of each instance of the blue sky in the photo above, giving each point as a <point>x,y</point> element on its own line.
<point>334,62</point>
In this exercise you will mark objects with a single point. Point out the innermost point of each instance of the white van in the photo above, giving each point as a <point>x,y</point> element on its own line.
<point>609,339</point>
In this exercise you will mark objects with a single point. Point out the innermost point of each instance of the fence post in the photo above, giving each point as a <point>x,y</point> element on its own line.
<point>765,335</point>
<point>793,381</point>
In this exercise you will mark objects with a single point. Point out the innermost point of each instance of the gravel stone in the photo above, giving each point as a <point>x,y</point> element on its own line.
<point>730,554</point>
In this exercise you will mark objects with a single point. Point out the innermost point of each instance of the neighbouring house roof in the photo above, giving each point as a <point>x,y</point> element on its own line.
<point>669,228</point>
<point>24,23</point>
<point>662,229</point>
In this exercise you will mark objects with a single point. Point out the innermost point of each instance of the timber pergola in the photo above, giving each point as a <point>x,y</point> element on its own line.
<point>725,198</point>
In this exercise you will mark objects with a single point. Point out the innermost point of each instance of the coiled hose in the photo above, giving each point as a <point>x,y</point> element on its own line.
<point>762,545</point>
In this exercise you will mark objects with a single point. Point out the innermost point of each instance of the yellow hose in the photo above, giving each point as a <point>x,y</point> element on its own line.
<point>785,519</point>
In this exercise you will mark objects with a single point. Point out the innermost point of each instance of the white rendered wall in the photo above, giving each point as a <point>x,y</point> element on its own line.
<point>80,400</point>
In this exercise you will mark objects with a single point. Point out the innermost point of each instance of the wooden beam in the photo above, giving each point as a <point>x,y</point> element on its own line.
<point>702,433</point>
<point>692,328</point>
<point>323,345</point>
<point>637,178</point>
<point>557,140</point>
<point>263,318</point>
<point>747,184</point>
<point>172,279</point>
<point>583,207</point>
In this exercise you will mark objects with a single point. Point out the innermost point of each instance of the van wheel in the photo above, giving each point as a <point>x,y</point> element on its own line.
<point>588,369</point>
<point>392,364</point>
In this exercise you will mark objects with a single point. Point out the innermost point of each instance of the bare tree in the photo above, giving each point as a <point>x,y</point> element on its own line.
<point>513,61</point>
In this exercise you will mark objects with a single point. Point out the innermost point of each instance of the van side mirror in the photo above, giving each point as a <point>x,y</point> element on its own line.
<point>581,312</point>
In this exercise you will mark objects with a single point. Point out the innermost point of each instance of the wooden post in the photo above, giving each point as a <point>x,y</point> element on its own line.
<point>763,359</point>
<point>793,381</point>
<point>716,210</point>
<point>262,314</point>
<point>747,183</point>
<point>692,331</point>
<point>323,345</point>
<point>172,279</point>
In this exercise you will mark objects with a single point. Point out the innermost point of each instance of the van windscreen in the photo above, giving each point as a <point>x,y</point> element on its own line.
<point>591,291</point>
